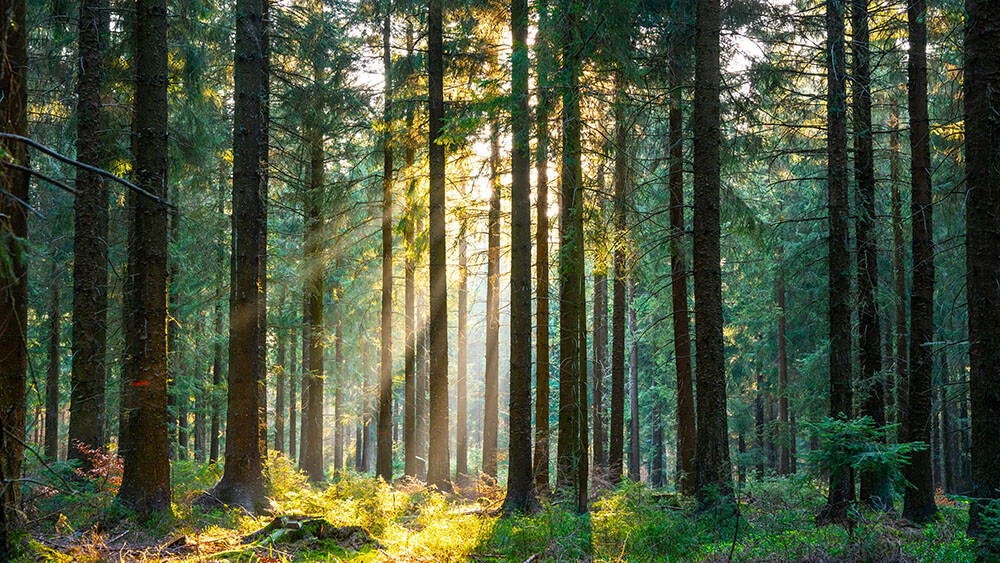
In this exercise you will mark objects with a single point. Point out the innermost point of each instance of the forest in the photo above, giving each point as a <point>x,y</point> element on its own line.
<point>490,280</point>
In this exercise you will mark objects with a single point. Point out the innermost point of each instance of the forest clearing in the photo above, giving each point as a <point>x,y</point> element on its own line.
<point>500,280</point>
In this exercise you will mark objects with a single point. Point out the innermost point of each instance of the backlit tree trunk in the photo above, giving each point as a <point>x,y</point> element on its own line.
<point>383,458</point>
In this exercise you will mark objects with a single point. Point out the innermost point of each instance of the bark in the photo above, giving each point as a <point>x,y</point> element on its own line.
<point>146,452</point>
<point>293,406</point>
<point>305,375</point>
<point>520,492</point>
<point>982,97</point>
<point>409,364</point>
<point>616,430</point>
<point>569,452</point>
<point>438,462</point>
<point>312,436</point>
<point>600,363</point>
<point>758,423</point>
<point>279,399</point>
<point>461,370</point>
<point>182,398</point>
<point>242,479</point>
<point>947,430</point>
<point>52,374</point>
<point>338,396</point>
<point>634,459</point>
<point>918,502</point>
<point>841,492</point>
<point>543,59</point>
<point>785,438</point>
<point>900,368</point>
<point>383,459</point>
<point>679,293</point>
<point>713,476</point>
<point>90,254</point>
<point>216,402</point>
<point>491,414</point>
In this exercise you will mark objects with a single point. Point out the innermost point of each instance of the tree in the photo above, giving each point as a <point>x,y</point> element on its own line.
<point>242,480</point>
<point>686,429</point>
<point>616,449</point>
<point>520,490</point>
<point>438,459</point>
<point>713,481</point>
<point>841,492</point>
<point>279,392</point>
<point>982,149</point>
<point>491,414</point>
<point>52,374</point>
<point>634,461</point>
<point>409,298</point>
<point>90,254</point>
<point>383,458</point>
<point>145,450</point>
<point>600,357</point>
<point>918,502</point>
<point>541,449</point>
<point>461,370</point>
<point>213,455</point>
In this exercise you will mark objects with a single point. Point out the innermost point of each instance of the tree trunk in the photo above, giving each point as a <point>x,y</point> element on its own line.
<point>305,377</point>
<point>461,370</point>
<point>900,332</point>
<point>982,146</point>
<point>146,478</point>
<point>520,490</point>
<point>216,400</point>
<point>438,462</point>
<point>293,407</point>
<point>279,399</point>
<point>383,458</point>
<point>713,474</point>
<point>616,448</point>
<point>918,502</point>
<point>758,423</point>
<point>634,459</point>
<point>410,465</point>
<point>785,438</point>
<point>338,396</point>
<point>600,361</point>
<point>52,375</point>
<point>242,480</point>
<point>182,398</point>
<point>312,435</point>
<point>947,429</point>
<point>491,415</point>
<point>543,59</point>
<point>90,254</point>
<point>569,453</point>
<point>841,492</point>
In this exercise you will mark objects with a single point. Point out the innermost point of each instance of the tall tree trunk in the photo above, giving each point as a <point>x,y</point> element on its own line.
<point>520,490</point>
<point>13,288</point>
<point>982,146</point>
<point>182,398</point>
<point>90,253</point>
<point>242,479</point>
<point>176,410</point>
<point>634,459</point>
<point>841,492</point>
<point>900,369</point>
<point>543,59</point>
<point>461,370</point>
<point>947,429</point>
<point>600,361</point>
<point>616,448</point>
<point>338,395</point>
<point>758,423</point>
<point>305,373</point>
<point>713,479</point>
<point>410,465</point>
<point>383,460</point>
<point>216,400</point>
<point>569,452</point>
<point>785,437</point>
<point>918,502</point>
<point>146,478</point>
<point>52,375</point>
<point>438,459</point>
<point>793,446</point>
<point>279,399</point>
<point>293,406</point>
<point>679,291</point>
<point>312,436</point>
<point>491,414</point>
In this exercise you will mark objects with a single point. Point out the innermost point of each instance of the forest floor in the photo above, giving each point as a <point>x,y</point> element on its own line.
<point>409,523</point>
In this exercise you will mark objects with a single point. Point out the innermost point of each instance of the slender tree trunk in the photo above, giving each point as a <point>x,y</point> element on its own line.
<point>410,465</point>
<point>785,438</point>
<point>982,97</point>
<point>293,407</point>
<point>758,423</point>
<point>146,478</point>
<point>520,490</point>
<point>600,361</point>
<point>713,475</point>
<point>242,479</point>
<point>438,459</point>
<point>634,459</point>
<point>569,452</point>
<point>279,399</point>
<point>900,332</point>
<point>90,254</point>
<point>312,436</point>
<point>616,450</point>
<point>947,429</point>
<point>491,415</point>
<point>216,399</point>
<point>542,52</point>
<point>52,375</point>
<point>461,370</point>
<point>793,446</point>
<point>182,398</point>
<point>383,460</point>
<point>305,374</point>
<point>841,492</point>
<point>918,502</point>
<point>679,291</point>
<point>338,395</point>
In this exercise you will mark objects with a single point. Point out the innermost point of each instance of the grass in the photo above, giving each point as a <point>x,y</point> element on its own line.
<point>412,523</point>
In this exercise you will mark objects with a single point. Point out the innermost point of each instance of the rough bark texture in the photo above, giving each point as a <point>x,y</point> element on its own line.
<point>242,481</point>
<point>312,436</point>
<point>599,367</point>
<point>52,373</point>
<point>383,457</point>
<point>146,479</point>
<point>338,395</point>
<point>634,458</point>
<point>491,414</point>
<point>216,400</point>
<point>520,490</point>
<point>982,124</point>
<point>90,247</point>
<point>900,332</point>
<point>461,370</point>
<point>293,406</point>
<point>541,451</point>
<point>438,462</point>
<point>918,502</point>
<point>713,480</point>
<point>841,492</point>
<point>409,361</point>
<point>785,438</point>
<point>279,392</point>
<point>616,448</point>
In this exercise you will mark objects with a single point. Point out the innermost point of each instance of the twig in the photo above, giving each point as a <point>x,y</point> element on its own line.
<point>41,176</point>
<point>87,167</point>
<point>22,202</point>
<point>40,458</point>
